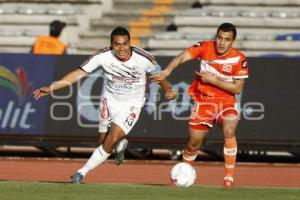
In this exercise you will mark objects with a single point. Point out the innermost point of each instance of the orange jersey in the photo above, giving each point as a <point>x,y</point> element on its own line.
<point>232,65</point>
<point>48,45</point>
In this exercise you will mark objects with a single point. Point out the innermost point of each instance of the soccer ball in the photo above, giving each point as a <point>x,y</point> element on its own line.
<point>183,175</point>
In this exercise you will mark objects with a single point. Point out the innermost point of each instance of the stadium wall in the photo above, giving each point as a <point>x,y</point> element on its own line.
<point>69,117</point>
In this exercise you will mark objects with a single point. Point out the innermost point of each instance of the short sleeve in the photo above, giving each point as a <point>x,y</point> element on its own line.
<point>242,69</point>
<point>91,64</point>
<point>196,50</point>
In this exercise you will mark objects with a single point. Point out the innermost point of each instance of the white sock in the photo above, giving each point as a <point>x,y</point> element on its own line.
<point>120,145</point>
<point>98,157</point>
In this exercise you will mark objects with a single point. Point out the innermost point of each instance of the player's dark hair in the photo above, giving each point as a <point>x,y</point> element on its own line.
<point>119,31</point>
<point>56,28</point>
<point>227,27</point>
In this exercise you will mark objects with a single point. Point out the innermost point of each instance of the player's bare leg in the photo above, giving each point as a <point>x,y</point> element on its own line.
<point>101,137</point>
<point>194,143</point>
<point>115,134</point>
<point>229,125</point>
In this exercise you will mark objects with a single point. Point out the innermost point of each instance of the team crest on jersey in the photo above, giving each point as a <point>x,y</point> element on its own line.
<point>227,68</point>
<point>198,44</point>
<point>244,64</point>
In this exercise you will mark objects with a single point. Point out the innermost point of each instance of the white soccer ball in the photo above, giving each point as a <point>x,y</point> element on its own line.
<point>183,174</point>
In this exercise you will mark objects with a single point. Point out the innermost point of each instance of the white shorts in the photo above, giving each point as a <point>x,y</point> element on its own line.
<point>119,112</point>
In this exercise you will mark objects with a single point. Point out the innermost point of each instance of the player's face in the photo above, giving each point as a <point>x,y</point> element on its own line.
<point>224,41</point>
<point>121,47</point>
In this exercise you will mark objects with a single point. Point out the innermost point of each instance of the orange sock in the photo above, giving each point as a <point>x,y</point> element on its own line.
<point>188,156</point>
<point>230,151</point>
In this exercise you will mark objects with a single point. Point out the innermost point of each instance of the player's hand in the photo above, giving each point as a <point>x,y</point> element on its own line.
<point>170,95</point>
<point>41,92</point>
<point>160,76</point>
<point>206,77</point>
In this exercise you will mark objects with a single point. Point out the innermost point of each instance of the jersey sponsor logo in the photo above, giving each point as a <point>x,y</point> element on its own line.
<point>225,76</point>
<point>227,68</point>
<point>123,86</point>
<point>124,79</point>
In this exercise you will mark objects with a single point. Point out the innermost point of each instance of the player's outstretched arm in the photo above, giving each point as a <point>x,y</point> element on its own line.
<point>169,93</point>
<point>41,92</point>
<point>175,62</point>
<point>67,80</point>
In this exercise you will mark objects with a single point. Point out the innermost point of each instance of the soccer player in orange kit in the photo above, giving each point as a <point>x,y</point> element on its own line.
<point>214,89</point>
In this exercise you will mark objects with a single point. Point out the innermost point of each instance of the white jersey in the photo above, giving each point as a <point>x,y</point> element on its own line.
<point>126,81</point>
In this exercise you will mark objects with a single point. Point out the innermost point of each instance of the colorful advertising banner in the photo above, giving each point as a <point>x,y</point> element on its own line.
<point>19,75</point>
<point>269,102</point>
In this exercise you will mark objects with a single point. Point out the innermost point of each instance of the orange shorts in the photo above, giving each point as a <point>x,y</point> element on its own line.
<point>205,114</point>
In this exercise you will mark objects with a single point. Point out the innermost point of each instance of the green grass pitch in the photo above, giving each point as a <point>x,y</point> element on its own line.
<point>17,190</point>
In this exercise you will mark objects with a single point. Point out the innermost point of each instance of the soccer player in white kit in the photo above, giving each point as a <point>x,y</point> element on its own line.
<point>125,75</point>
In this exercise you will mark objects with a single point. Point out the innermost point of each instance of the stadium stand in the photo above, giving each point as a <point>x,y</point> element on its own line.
<point>143,18</point>
<point>21,21</point>
<point>264,27</point>
<point>164,27</point>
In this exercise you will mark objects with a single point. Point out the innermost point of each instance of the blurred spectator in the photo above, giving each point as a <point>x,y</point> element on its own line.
<point>51,44</point>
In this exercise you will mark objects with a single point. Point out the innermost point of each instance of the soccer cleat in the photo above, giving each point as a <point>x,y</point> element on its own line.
<point>77,178</point>
<point>228,183</point>
<point>119,155</point>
